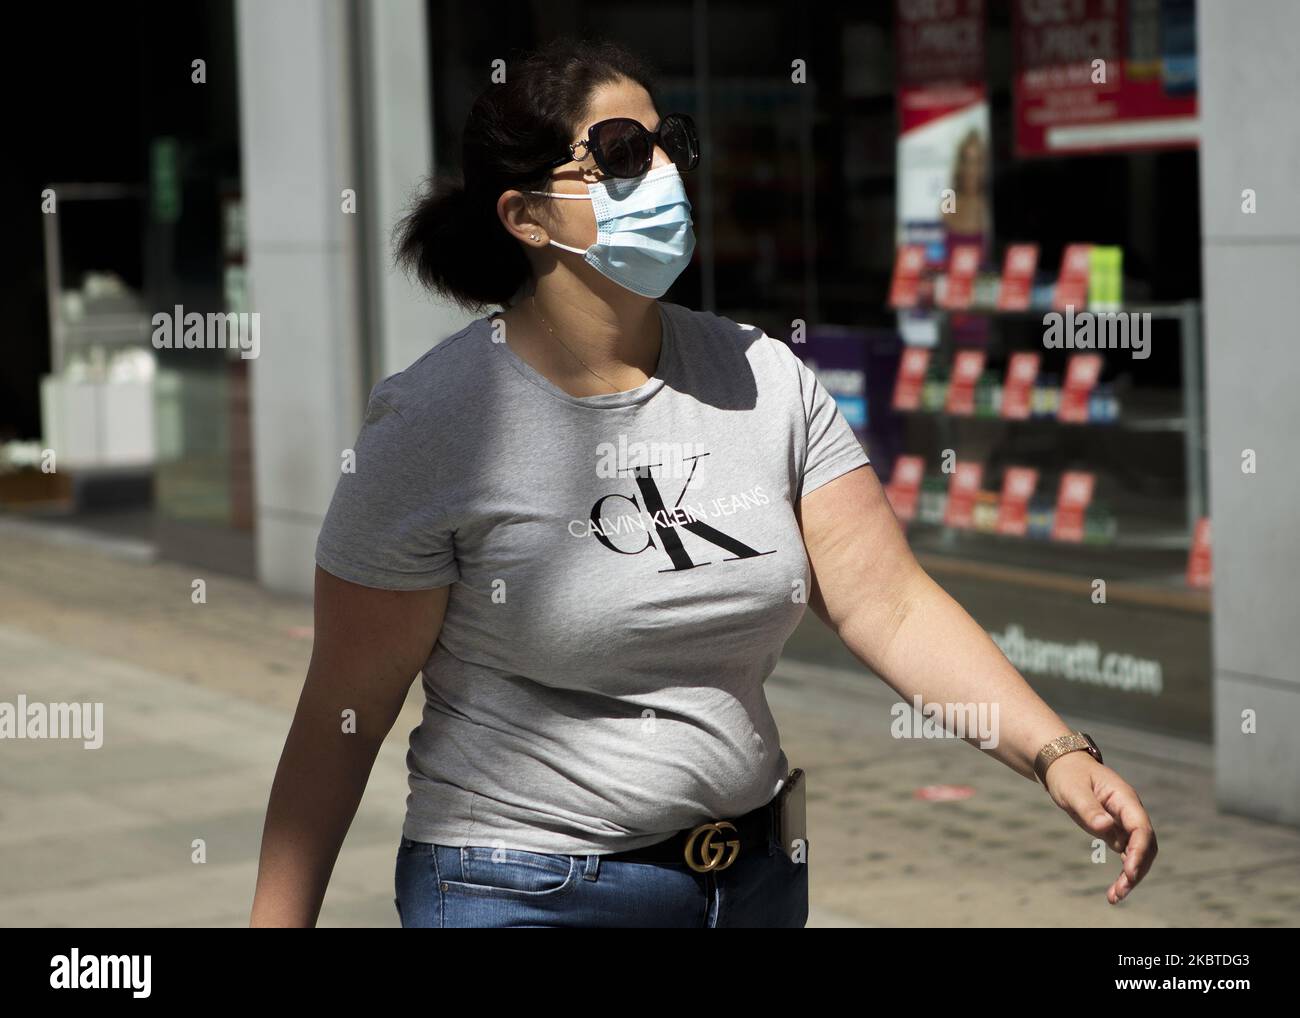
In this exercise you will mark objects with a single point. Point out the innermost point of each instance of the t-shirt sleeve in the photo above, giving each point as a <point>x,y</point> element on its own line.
<point>832,448</point>
<point>386,525</point>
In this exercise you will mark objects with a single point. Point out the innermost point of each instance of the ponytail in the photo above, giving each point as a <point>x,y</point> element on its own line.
<point>453,242</point>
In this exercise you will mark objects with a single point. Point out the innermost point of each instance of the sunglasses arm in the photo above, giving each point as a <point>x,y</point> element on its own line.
<point>570,154</point>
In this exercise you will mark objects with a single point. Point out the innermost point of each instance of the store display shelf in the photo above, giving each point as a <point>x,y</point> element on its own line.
<point>108,322</point>
<point>1122,415</point>
<point>1156,309</point>
<point>1146,572</point>
<point>1139,538</point>
<point>89,333</point>
<point>1137,422</point>
<point>1167,589</point>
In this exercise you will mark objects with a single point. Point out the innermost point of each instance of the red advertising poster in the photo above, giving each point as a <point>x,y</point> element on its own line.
<point>908,265</point>
<point>904,487</point>
<point>1103,75</point>
<point>962,266</point>
<point>967,367</point>
<point>1199,572</point>
<point>1018,484</point>
<point>1018,267</point>
<point>1072,284</point>
<point>962,489</point>
<point>1072,500</point>
<point>911,376</point>
<point>943,154</point>
<point>1018,389</point>
<point>1081,374</point>
<point>939,52</point>
<point>943,179</point>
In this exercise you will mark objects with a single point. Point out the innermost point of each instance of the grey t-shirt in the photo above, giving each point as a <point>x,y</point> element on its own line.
<point>624,568</point>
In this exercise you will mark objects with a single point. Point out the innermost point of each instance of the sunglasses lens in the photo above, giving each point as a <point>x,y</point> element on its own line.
<point>679,139</point>
<point>624,147</point>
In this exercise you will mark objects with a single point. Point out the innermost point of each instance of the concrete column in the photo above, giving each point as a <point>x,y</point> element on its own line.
<point>334,95</point>
<point>1250,78</point>
<point>397,153</point>
<point>299,153</point>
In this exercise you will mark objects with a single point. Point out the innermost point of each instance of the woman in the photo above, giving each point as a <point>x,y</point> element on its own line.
<point>591,521</point>
<point>967,221</point>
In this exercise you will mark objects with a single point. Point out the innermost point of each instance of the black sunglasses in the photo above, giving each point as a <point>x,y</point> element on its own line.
<point>622,147</point>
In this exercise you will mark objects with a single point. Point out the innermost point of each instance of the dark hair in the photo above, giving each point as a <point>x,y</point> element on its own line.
<point>451,238</point>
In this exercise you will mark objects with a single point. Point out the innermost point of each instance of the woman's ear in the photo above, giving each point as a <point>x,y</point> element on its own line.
<point>519,220</point>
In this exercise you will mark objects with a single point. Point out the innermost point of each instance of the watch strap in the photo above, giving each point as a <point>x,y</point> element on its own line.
<point>1058,747</point>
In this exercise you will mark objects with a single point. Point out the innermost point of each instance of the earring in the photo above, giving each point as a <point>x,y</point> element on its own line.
<point>532,236</point>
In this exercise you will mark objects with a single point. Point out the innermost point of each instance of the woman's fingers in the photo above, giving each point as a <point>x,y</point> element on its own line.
<point>1139,836</point>
<point>1105,806</point>
<point>1119,890</point>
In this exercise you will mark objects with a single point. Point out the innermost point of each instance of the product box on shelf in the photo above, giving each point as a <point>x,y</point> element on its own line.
<point>1199,560</point>
<point>934,500</point>
<point>1072,500</point>
<point>904,486</point>
<point>1018,268</point>
<point>1018,484</point>
<point>1017,392</point>
<point>963,486</point>
<point>1106,278</point>
<point>1072,283</point>
<point>912,368</point>
<point>984,517</point>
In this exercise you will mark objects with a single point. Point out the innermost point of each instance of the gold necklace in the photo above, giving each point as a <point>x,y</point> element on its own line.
<point>565,345</point>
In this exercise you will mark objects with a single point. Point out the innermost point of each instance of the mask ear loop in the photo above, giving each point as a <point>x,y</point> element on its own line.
<point>562,194</point>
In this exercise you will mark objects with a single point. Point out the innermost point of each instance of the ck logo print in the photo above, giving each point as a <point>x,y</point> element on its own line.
<point>638,521</point>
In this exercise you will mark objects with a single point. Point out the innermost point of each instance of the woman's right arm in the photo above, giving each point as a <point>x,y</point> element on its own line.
<point>369,646</point>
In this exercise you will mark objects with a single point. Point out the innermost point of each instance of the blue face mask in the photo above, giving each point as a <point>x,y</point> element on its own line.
<point>644,235</point>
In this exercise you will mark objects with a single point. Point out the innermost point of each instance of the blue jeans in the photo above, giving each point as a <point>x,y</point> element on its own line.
<point>445,886</point>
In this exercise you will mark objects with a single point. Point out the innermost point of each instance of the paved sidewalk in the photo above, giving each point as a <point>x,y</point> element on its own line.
<point>198,699</point>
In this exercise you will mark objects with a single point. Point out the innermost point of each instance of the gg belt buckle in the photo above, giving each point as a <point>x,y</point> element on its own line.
<point>709,852</point>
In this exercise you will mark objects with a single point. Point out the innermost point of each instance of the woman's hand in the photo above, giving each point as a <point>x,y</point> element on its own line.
<point>871,592</point>
<point>1107,807</point>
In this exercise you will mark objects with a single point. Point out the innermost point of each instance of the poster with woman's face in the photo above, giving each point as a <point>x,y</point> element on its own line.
<point>943,182</point>
<point>943,140</point>
<point>944,193</point>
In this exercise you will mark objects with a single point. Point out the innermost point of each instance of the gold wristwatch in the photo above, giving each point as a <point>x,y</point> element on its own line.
<point>1059,747</point>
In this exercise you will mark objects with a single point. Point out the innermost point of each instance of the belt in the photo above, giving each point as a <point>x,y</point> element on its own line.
<point>710,846</point>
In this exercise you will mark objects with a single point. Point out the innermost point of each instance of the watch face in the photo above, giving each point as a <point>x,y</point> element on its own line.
<point>1093,748</point>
